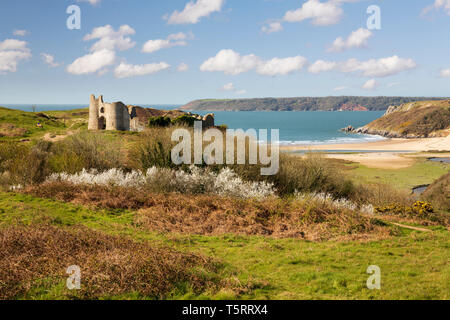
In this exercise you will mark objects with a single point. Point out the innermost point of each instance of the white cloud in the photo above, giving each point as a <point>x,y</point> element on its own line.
<point>110,39</point>
<point>183,67</point>
<point>229,87</point>
<point>320,13</point>
<point>13,44</point>
<point>370,84</point>
<point>379,67</point>
<point>92,2</point>
<point>173,40</point>
<point>92,62</point>
<point>12,51</point>
<point>438,5</point>
<point>357,39</point>
<point>371,68</point>
<point>125,70</point>
<point>194,11</point>
<point>278,66</point>
<point>272,27</point>
<point>340,88</point>
<point>49,59</point>
<point>445,73</point>
<point>322,66</point>
<point>20,33</point>
<point>231,62</point>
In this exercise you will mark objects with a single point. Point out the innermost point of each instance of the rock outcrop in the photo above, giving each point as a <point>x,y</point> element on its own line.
<point>412,120</point>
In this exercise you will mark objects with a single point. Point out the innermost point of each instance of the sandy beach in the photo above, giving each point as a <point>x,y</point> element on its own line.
<point>416,145</point>
<point>393,153</point>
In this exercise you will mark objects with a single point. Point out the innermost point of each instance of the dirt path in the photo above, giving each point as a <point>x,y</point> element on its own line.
<point>54,138</point>
<point>409,227</point>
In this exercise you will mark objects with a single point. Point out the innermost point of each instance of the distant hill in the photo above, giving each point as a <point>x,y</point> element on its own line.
<point>302,104</point>
<point>413,120</point>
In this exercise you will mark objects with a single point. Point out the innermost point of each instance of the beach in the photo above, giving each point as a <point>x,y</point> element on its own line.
<point>383,154</point>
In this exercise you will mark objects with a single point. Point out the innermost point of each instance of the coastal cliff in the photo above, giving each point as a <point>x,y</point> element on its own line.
<point>343,103</point>
<point>424,119</point>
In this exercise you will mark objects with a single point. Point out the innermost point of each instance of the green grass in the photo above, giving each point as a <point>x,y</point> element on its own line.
<point>59,123</point>
<point>421,173</point>
<point>414,265</point>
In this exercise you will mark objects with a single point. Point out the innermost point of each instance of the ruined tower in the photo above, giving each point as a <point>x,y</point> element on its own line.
<point>108,116</point>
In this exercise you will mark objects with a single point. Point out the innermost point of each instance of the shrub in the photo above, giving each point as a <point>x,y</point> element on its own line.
<point>24,164</point>
<point>152,149</point>
<point>185,120</point>
<point>159,122</point>
<point>86,150</point>
<point>193,181</point>
<point>419,208</point>
<point>311,174</point>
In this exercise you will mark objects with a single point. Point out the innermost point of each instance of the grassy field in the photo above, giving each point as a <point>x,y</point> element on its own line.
<point>414,265</point>
<point>421,173</point>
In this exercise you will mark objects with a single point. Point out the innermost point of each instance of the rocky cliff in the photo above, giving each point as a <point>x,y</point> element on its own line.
<point>421,119</point>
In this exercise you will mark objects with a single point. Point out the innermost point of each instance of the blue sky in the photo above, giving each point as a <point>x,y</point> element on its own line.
<point>172,52</point>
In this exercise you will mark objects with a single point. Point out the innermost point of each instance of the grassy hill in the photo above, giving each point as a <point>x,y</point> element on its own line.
<point>413,120</point>
<point>18,125</point>
<point>300,103</point>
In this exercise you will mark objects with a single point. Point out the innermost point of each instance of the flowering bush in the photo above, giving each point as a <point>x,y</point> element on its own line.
<point>419,208</point>
<point>343,204</point>
<point>422,208</point>
<point>193,181</point>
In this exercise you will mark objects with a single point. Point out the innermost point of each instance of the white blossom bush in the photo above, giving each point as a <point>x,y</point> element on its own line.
<point>193,181</point>
<point>112,177</point>
<point>324,198</point>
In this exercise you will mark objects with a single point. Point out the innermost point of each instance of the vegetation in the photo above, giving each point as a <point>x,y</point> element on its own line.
<point>142,228</point>
<point>36,257</point>
<point>439,193</point>
<point>422,172</point>
<point>299,104</point>
<point>183,121</point>
<point>417,119</point>
<point>159,122</point>
<point>15,124</point>
<point>414,264</point>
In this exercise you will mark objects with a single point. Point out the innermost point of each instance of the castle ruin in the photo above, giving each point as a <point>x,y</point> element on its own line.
<point>120,117</point>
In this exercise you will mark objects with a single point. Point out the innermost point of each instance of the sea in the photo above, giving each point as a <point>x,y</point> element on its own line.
<point>295,128</point>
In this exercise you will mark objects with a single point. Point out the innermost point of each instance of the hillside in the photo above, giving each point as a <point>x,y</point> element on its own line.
<point>17,124</point>
<point>301,104</point>
<point>413,120</point>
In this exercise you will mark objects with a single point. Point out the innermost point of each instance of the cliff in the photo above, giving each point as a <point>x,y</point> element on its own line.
<point>412,120</point>
<point>301,104</point>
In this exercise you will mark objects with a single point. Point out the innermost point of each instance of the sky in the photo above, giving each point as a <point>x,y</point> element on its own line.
<point>173,52</point>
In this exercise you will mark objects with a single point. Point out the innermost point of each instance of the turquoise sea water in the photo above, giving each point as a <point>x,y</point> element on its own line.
<point>312,127</point>
<point>303,128</point>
